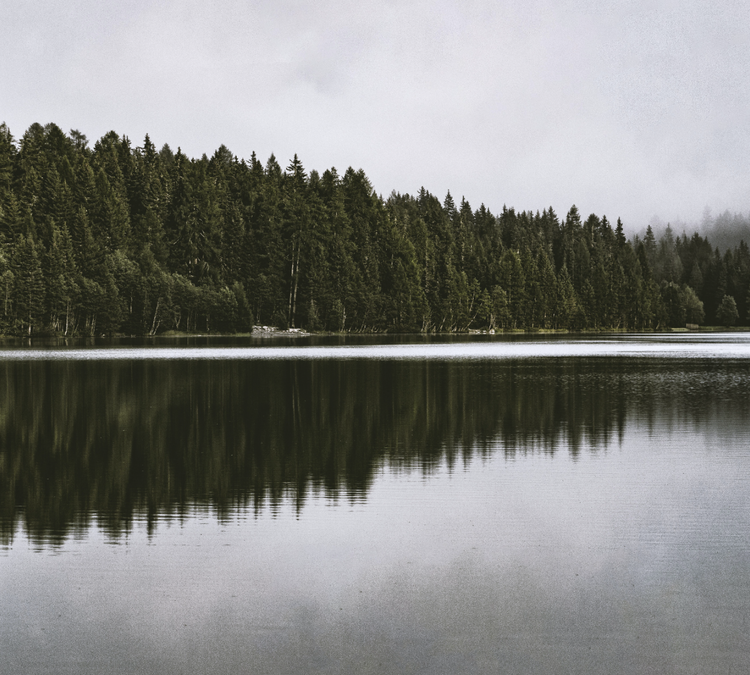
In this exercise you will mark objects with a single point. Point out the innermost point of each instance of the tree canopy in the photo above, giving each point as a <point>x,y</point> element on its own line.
<point>124,239</point>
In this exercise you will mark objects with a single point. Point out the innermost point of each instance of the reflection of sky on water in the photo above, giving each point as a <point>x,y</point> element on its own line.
<point>538,515</point>
<point>629,559</point>
<point>673,345</point>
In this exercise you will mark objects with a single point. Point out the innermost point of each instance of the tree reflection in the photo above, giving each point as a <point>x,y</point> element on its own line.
<point>112,440</point>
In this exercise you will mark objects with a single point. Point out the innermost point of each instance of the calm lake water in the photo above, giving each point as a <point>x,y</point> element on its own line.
<point>479,505</point>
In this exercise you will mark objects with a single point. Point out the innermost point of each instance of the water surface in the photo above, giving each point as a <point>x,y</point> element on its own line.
<point>542,505</point>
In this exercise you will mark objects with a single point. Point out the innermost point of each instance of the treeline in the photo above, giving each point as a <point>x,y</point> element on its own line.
<point>133,240</point>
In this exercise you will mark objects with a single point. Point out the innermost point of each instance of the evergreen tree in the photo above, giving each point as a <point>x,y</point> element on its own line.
<point>7,157</point>
<point>620,235</point>
<point>7,279</point>
<point>28,289</point>
<point>513,282</point>
<point>674,304</point>
<point>499,316</point>
<point>130,240</point>
<point>62,282</point>
<point>296,230</point>
<point>727,313</point>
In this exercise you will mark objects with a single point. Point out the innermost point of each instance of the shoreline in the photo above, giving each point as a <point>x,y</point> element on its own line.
<point>270,332</point>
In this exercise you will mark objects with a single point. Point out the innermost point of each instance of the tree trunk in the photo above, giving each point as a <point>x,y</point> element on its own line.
<point>154,324</point>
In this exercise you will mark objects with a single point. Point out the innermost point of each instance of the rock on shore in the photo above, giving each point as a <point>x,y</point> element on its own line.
<point>273,331</point>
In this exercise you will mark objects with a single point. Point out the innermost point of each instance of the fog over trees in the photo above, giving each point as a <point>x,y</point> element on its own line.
<point>124,239</point>
<point>725,231</point>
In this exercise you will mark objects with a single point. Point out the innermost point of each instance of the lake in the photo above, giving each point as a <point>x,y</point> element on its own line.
<point>482,504</point>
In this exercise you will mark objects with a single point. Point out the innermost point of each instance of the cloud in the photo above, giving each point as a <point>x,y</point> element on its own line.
<point>625,108</point>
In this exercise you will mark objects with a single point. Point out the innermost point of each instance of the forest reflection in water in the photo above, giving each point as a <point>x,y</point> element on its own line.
<point>116,440</point>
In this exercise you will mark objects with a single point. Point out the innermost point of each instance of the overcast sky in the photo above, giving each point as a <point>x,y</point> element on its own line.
<point>629,108</point>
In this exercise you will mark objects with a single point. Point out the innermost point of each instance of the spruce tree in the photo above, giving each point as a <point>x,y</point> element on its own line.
<point>28,290</point>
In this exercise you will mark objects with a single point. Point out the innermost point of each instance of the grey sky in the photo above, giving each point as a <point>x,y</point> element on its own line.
<point>626,108</point>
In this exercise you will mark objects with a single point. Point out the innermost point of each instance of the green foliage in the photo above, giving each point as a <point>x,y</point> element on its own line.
<point>28,286</point>
<point>727,313</point>
<point>118,239</point>
<point>674,304</point>
<point>693,306</point>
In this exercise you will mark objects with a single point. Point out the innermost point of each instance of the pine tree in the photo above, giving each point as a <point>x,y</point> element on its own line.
<point>513,282</point>
<point>674,303</point>
<point>7,279</point>
<point>549,293</point>
<point>499,312</point>
<point>7,157</point>
<point>296,230</point>
<point>28,290</point>
<point>620,235</point>
<point>62,289</point>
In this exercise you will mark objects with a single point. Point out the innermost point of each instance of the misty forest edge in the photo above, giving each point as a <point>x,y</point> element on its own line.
<point>135,241</point>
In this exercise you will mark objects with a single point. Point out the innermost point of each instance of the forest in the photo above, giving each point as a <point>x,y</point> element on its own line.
<point>124,240</point>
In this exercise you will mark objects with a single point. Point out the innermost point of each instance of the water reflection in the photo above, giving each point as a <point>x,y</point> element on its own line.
<point>112,440</point>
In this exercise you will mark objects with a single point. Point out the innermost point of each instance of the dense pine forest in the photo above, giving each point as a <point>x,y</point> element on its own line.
<point>126,240</point>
